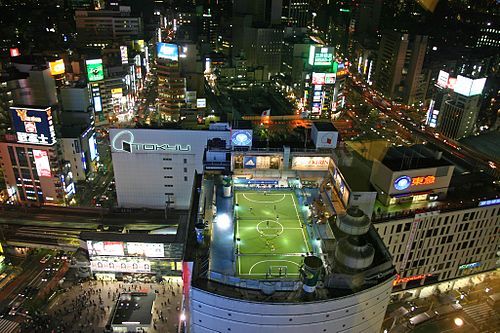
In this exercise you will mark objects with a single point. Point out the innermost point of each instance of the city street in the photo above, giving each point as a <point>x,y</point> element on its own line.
<point>470,293</point>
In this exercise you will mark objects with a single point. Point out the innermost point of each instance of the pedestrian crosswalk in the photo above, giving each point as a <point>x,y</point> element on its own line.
<point>482,314</point>
<point>8,326</point>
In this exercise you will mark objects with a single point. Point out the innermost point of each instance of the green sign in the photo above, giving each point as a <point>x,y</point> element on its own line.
<point>320,56</point>
<point>95,70</point>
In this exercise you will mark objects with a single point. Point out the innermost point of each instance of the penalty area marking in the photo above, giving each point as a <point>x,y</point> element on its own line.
<point>265,201</point>
<point>268,260</point>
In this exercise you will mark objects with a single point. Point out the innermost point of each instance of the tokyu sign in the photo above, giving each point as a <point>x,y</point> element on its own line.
<point>124,142</point>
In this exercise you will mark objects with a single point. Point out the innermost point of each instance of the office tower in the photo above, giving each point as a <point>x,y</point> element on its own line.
<point>102,27</point>
<point>458,115</point>
<point>296,13</point>
<point>399,65</point>
<point>455,106</point>
<point>367,18</point>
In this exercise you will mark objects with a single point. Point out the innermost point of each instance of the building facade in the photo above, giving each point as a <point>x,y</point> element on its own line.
<point>156,168</point>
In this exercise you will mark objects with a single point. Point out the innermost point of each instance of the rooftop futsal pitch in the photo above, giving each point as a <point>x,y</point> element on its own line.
<point>271,239</point>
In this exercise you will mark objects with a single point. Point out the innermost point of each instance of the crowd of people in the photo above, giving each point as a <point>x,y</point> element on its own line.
<point>87,306</point>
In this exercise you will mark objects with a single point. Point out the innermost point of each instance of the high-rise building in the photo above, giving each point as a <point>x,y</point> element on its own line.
<point>455,106</point>
<point>33,169</point>
<point>171,84</point>
<point>296,13</point>
<point>399,65</point>
<point>101,27</point>
<point>458,115</point>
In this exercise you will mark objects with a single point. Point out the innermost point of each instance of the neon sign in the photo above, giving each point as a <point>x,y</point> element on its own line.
<point>468,266</point>
<point>403,182</point>
<point>399,279</point>
<point>130,146</point>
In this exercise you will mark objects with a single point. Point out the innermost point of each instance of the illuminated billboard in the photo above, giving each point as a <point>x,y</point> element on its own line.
<point>167,51</point>
<point>241,138</point>
<point>33,125</point>
<point>310,163</point>
<point>120,265</point>
<point>201,102</point>
<point>257,162</point>
<point>442,79</point>
<point>469,87</point>
<point>14,52</point>
<point>136,249</point>
<point>330,78</point>
<point>57,67</point>
<point>318,78</point>
<point>93,147</point>
<point>98,248</point>
<point>95,70</point>
<point>124,54</point>
<point>153,250</point>
<point>320,56</point>
<point>341,187</point>
<point>42,163</point>
<point>404,182</point>
<point>477,86</point>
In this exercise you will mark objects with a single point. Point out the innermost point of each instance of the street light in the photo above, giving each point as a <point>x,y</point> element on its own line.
<point>458,321</point>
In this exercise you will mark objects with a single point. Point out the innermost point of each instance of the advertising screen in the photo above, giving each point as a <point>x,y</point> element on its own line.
<point>167,51</point>
<point>318,78</point>
<point>93,148</point>
<point>33,125</point>
<point>463,85</point>
<point>469,87</point>
<point>320,56</point>
<point>442,79</point>
<point>95,70</point>
<point>153,250</point>
<point>477,86</point>
<point>100,248</point>
<point>310,163</point>
<point>57,67</point>
<point>124,54</point>
<point>241,138</point>
<point>42,163</point>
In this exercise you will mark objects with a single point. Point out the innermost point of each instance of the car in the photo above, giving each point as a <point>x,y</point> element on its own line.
<point>15,308</point>
<point>45,258</point>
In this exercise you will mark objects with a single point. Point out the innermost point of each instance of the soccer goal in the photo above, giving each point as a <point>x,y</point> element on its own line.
<point>277,271</point>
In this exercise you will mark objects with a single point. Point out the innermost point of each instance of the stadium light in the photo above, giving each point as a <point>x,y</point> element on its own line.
<point>223,221</point>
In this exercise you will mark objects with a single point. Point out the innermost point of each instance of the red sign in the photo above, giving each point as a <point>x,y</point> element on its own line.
<point>409,278</point>
<point>423,180</point>
<point>14,52</point>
